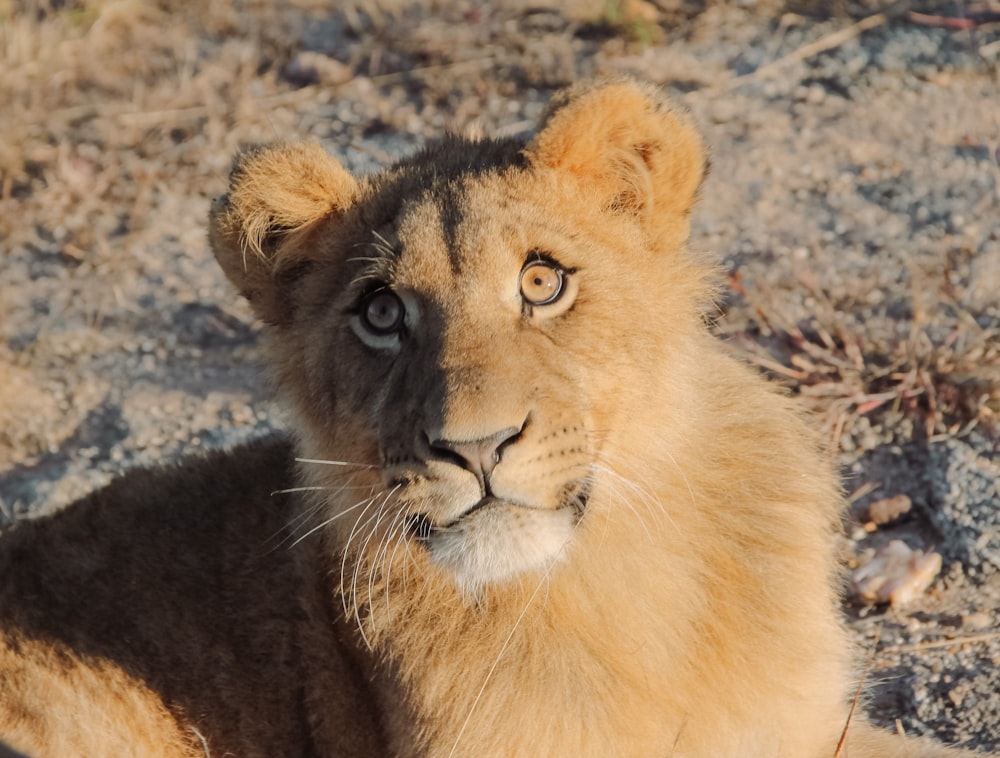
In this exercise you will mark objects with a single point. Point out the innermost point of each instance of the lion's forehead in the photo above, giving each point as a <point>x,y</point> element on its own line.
<point>469,230</point>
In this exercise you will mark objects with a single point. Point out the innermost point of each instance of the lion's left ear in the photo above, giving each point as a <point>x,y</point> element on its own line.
<point>259,230</point>
<point>628,143</point>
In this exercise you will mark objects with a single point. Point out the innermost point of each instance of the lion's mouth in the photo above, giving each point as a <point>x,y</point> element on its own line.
<point>485,502</point>
<point>421,527</point>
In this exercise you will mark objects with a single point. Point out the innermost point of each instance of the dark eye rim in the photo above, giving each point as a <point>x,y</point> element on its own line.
<point>541,259</point>
<point>362,312</point>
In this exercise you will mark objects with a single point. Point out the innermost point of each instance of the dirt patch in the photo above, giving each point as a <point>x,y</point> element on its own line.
<point>853,204</point>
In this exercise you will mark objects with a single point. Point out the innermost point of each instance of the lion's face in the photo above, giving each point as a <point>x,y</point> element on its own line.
<point>469,338</point>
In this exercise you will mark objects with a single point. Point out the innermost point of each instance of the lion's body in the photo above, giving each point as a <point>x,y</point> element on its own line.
<point>186,624</point>
<point>543,512</point>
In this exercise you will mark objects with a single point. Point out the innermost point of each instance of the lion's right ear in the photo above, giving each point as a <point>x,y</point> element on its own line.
<point>633,150</point>
<point>277,195</point>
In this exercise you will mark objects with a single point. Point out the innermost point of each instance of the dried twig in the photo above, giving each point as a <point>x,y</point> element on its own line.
<point>968,639</point>
<point>975,14</point>
<point>944,22</point>
<point>829,42</point>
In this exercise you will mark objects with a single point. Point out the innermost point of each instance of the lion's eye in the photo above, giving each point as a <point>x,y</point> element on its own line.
<point>541,282</point>
<point>382,312</point>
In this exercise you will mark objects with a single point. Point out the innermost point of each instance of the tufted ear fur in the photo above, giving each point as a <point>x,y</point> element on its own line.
<point>277,195</point>
<point>638,152</point>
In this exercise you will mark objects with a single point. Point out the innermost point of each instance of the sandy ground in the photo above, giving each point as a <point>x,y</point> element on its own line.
<point>854,206</point>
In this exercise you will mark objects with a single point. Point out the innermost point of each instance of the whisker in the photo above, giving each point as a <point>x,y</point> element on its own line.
<point>401,541</point>
<point>363,277</point>
<point>318,505</point>
<point>680,471</point>
<point>383,240</point>
<point>376,558</point>
<point>619,488</point>
<point>333,463</point>
<point>343,563</point>
<point>644,494</point>
<point>329,521</point>
<point>380,558</point>
<point>299,489</point>
<point>308,513</point>
<point>361,557</point>
<point>304,514</point>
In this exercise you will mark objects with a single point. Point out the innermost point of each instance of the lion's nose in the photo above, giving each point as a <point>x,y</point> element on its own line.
<point>478,456</point>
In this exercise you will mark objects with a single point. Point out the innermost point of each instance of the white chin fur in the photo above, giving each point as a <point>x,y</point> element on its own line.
<point>499,542</point>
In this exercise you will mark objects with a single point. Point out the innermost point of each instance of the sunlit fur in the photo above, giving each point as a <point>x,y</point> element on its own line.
<point>691,608</point>
<point>655,572</point>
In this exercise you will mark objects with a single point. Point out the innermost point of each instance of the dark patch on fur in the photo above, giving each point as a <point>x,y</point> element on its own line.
<point>242,156</point>
<point>183,576</point>
<point>437,171</point>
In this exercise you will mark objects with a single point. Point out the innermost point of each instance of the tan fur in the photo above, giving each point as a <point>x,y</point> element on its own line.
<point>654,574</point>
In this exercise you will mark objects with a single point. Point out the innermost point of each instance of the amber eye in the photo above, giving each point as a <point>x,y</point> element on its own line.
<point>541,282</point>
<point>382,312</point>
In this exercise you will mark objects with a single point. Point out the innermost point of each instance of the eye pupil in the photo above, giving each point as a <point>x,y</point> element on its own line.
<point>541,283</point>
<point>382,312</point>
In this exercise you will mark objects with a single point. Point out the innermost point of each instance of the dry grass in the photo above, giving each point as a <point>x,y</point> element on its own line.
<point>107,101</point>
<point>936,366</point>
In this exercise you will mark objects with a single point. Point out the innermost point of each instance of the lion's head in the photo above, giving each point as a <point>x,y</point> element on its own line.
<point>479,339</point>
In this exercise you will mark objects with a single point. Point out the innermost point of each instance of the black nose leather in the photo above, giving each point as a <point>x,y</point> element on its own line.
<point>478,456</point>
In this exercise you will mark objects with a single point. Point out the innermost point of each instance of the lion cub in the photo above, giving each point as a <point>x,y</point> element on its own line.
<point>535,509</point>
